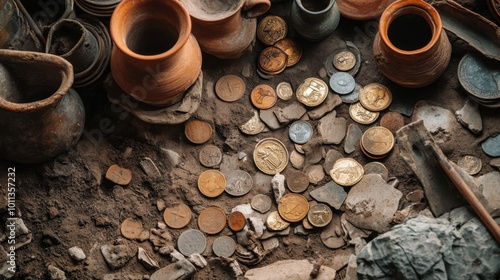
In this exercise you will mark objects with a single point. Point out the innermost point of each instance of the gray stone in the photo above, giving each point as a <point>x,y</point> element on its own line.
<point>331,157</point>
<point>289,113</point>
<point>300,230</point>
<point>229,163</point>
<point>278,183</point>
<point>352,231</point>
<point>76,253</point>
<point>235,266</point>
<point>242,236</point>
<point>495,162</point>
<point>145,259</point>
<point>198,260</point>
<point>7,269</point>
<point>354,134</point>
<point>116,256</point>
<point>314,151</point>
<point>270,244</point>
<point>288,270</point>
<point>440,122</point>
<point>149,167</point>
<point>331,194</point>
<point>332,129</point>
<point>171,158</point>
<point>331,102</point>
<point>491,188</point>
<point>242,156</point>
<point>170,251</point>
<point>333,236</point>
<point>371,203</point>
<point>470,117</point>
<point>55,273</point>
<point>269,234</point>
<point>341,258</point>
<point>352,268</point>
<point>257,225</point>
<point>123,276</point>
<point>315,174</point>
<point>268,117</point>
<point>262,183</point>
<point>181,270</point>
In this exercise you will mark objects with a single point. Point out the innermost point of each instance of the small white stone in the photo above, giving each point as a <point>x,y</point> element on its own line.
<point>278,183</point>
<point>76,253</point>
<point>198,260</point>
<point>161,225</point>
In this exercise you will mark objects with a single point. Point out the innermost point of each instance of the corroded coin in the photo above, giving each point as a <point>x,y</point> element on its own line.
<point>119,175</point>
<point>236,221</point>
<point>377,140</point>
<point>344,60</point>
<point>272,60</point>
<point>361,115</point>
<point>375,97</point>
<point>224,246</point>
<point>198,131</point>
<point>346,172</point>
<point>270,156</point>
<point>297,181</point>
<point>238,183</point>
<point>292,49</point>
<point>376,167</point>
<point>131,228</point>
<point>319,215</point>
<point>211,183</point>
<point>230,88</point>
<point>275,222</point>
<point>293,207</point>
<point>312,92</point>
<point>300,132</point>
<point>342,83</point>
<point>263,97</point>
<point>470,164</point>
<point>177,216</point>
<point>261,203</point>
<point>392,121</point>
<point>210,156</point>
<point>284,91</point>
<point>212,220</point>
<point>191,241</point>
<point>254,125</point>
<point>271,29</point>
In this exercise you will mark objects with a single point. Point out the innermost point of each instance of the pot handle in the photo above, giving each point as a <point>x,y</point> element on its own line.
<point>255,8</point>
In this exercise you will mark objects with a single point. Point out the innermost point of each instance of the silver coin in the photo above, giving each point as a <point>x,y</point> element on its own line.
<point>261,203</point>
<point>191,241</point>
<point>352,97</point>
<point>284,91</point>
<point>238,183</point>
<point>210,156</point>
<point>377,168</point>
<point>224,246</point>
<point>300,132</point>
<point>342,83</point>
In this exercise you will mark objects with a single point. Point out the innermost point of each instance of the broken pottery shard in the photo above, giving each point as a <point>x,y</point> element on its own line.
<point>144,258</point>
<point>491,188</point>
<point>333,235</point>
<point>268,117</point>
<point>354,134</point>
<point>331,157</point>
<point>271,243</point>
<point>331,102</point>
<point>116,256</point>
<point>491,146</point>
<point>288,270</point>
<point>440,122</point>
<point>181,270</point>
<point>332,129</point>
<point>278,183</point>
<point>289,113</point>
<point>331,193</point>
<point>149,167</point>
<point>371,203</point>
<point>470,117</point>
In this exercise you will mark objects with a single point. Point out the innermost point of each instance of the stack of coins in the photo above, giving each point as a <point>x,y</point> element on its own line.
<point>376,142</point>
<point>272,61</point>
<point>373,98</point>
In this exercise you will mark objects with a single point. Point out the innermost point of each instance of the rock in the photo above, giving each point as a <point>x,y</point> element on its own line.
<point>171,252</point>
<point>149,167</point>
<point>116,256</point>
<point>440,122</point>
<point>19,227</point>
<point>181,270</point>
<point>171,159</point>
<point>331,194</point>
<point>268,117</point>
<point>491,188</point>
<point>358,243</point>
<point>160,205</point>
<point>53,212</point>
<point>161,225</point>
<point>330,103</point>
<point>300,230</point>
<point>322,72</point>
<point>315,174</point>
<point>235,266</point>
<point>341,258</point>
<point>333,235</point>
<point>242,236</point>
<point>262,182</point>
<point>269,234</point>
<point>102,221</point>
<point>470,117</point>
<point>352,231</point>
<point>160,237</point>
<point>257,225</point>
<point>491,146</point>
<point>354,134</point>
<point>352,268</point>
<point>55,273</point>
<point>270,244</point>
<point>314,151</point>
<point>229,163</point>
<point>331,157</point>
<point>7,267</point>
<point>297,160</point>
<point>198,260</point>
<point>145,259</point>
<point>278,183</point>
<point>77,254</point>
<point>415,196</point>
<point>371,203</point>
<point>242,156</point>
<point>495,163</point>
<point>288,270</point>
<point>122,276</point>
<point>290,113</point>
<point>332,129</point>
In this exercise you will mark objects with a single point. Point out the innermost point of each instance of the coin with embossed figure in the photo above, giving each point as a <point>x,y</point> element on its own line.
<point>230,88</point>
<point>319,215</point>
<point>392,121</point>
<point>210,156</point>
<point>211,183</point>
<point>236,221</point>
<point>284,91</point>
<point>471,164</point>
<point>224,246</point>
<point>375,97</point>
<point>212,220</point>
<point>342,83</point>
<point>271,29</point>
<point>272,60</point>
<point>191,241</point>
<point>198,131</point>
<point>344,60</point>
<point>254,125</point>
<point>293,207</point>
<point>361,115</point>
<point>263,97</point>
<point>261,203</point>
<point>238,182</point>
<point>312,92</point>
<point>274,222</point>
<point>346,172</point>
<point>297,181</point>
<point>292,49</point>
<point>300,132</point>
<point>270,156</point>
<point>377,140</point>
<point>177,216</point>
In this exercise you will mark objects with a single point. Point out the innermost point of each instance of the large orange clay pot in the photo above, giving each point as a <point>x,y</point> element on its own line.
<point>155,58</point>
<point>411,47</point>
<point>362,9</point>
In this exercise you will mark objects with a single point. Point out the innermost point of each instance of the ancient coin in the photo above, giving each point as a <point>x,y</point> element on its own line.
<point>375,97</point>
<point>270,156</point>
<point>238,183</point>
<point>177,216</point>
<point>131,228</point>
<point>376,167</point>
<point>352,97</point>
<point>292,49</point>
<point>300,132</point>
<point>254,125</point>
<point>210,156</point>
<point>271,29</point>
<point>392,121</point>
<point>284,91</point>
<point>333,234</point>
<point>470,164</point>
<point>191,241</point>
<point>346,172</point>
<point>342,83</point>
<point>119,175</point>
<point>212,220</point>
<point>211,183</point>
<point>224,246</point>
<point>306,224</point>
<point>319,215</point>
<point>263,97</point>
<point>297,160</point>
<point>297,181</point>
<point>272,60</point>
<point>344,60</point>
<point>361,115</point>
<point>198,131</point>
<point>236,221</point>
<point>312,92</point>
<point>274,222</point>
<point>299,148</point>
<point>362,148</point>
<point>261,203</point>
<point>230,88</point>
<point>377,140</point>
<point>293,207</point>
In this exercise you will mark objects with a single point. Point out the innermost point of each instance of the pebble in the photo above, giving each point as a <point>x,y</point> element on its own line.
<point>289,113</point>
<point>171,252</point>
<point>470,117</point>
<point>116,256</point>
<point>172,159</point>
<point>198,260</point>
<point>278,183</point>
<point>55,273</point>
<point>331,157</point>
<point>247,70</point>
<point>354,134</point>
<point>77,254</point>
<point>491,188</point>
<point>297,160</point>
<point>160,205</point>
<point>300,230</point>
<point>315,174</point>
<point>149,167</point>
<point>145,259</point>
<point>257,225</point>
<point>331,102</point>
<point>331,194</point>
<point>332,129</point>
<point>270,244</point>
<point>161,225</point>
<point>181,270</point>
<point>53,212</point>
<point>268,117</point>
<point>287,270</point>
<point>415,196</point>
<point>20,227</point>
<point>242,156</point>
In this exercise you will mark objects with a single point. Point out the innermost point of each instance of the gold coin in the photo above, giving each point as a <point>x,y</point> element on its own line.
<point>320,215</point>
<point>272,60</point>
<point>346,172</point>
<point>263,97</point>
<point>361,115</point>
<point>271,29</point>
<point>344,60</point>
<point>375,97</point>
<point>211,183</point>
<point>312,92</point>
<point>270,156</point>
<point>198,131</point>
<point>470,164</point>
<point>377,140</point>
<point>370,155</point>
<point>275,222</point>
<point>292,49</point>
<point>293,207</point>
<point>177,216</point>
<point>230,88</point>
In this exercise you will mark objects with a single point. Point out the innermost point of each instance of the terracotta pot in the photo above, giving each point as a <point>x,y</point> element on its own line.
<point>40,115</point>
<point>16,32</point>
<point>411,48</point>
<point>362,9</point>
<point>314,20</point>
<point>225,29</point>
<point>155,58</point>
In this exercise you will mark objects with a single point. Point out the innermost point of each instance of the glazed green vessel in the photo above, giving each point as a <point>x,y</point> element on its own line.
<point>314,20</point>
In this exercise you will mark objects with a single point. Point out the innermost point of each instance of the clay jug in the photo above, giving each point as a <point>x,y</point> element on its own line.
<point>314,20</point>
<point>40,115</point>
<point>411,47</point>
<point>155,58</point>
<point>225,29</point>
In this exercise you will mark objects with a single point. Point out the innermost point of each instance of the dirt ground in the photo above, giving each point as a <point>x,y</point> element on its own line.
<point>67,202</point>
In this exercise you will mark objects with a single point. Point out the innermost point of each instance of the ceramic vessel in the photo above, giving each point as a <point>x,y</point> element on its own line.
<point>314,20</point>
<point>494,7</point>
<point>155,58</point>
<point>40,115</point>
<point>16,32</point>
<point>98,8</point>
<point>411,47</point>
<point>46,13</point>
<point>225,29</point>
<point>362,9</point>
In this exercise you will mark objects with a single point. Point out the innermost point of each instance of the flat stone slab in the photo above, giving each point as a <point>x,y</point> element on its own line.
<point>470,117</point>
<point>491,188</point>
<point>289,113</point>
<point>331,102</point>
<point>289,270</point>
<point>332,129</point>
<point>354,134</point>
<point>180,270</point>
<point>331,194</point>
<point>269,118</point>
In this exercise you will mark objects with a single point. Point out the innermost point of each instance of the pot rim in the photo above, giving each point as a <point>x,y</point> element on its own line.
<point>218,17</point>
<point>84,32</point>
<point>415,7</point>
<point>330,5</point>
<point>120,14</point>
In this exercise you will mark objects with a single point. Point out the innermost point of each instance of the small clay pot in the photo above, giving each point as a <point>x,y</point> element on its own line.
<point>411,47</point>
<point>17,30</point>
<point>314,20</point>
<point>155,58</point>
<point>362,9</point>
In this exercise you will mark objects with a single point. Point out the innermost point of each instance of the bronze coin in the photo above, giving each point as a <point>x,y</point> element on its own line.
<point>297,181</point>
<point>119,175</point>
<point>392,121</point>
<point>471,164</point>
<point>177,216</point>
<point>263,97</point>
<point>210,156</point>
<point>344,60</point>
<point>212,220</point>
<point>272,60</point>
<point>293,207</point>
<point>271,29</point>
<point>236,221</point>
<point>377,141</point>
<point>131,228</point>
<point>319,215</point>
<point>198,131</point>
<point>211,183</point>
<point>292,49</point>
<point>230,88</point>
